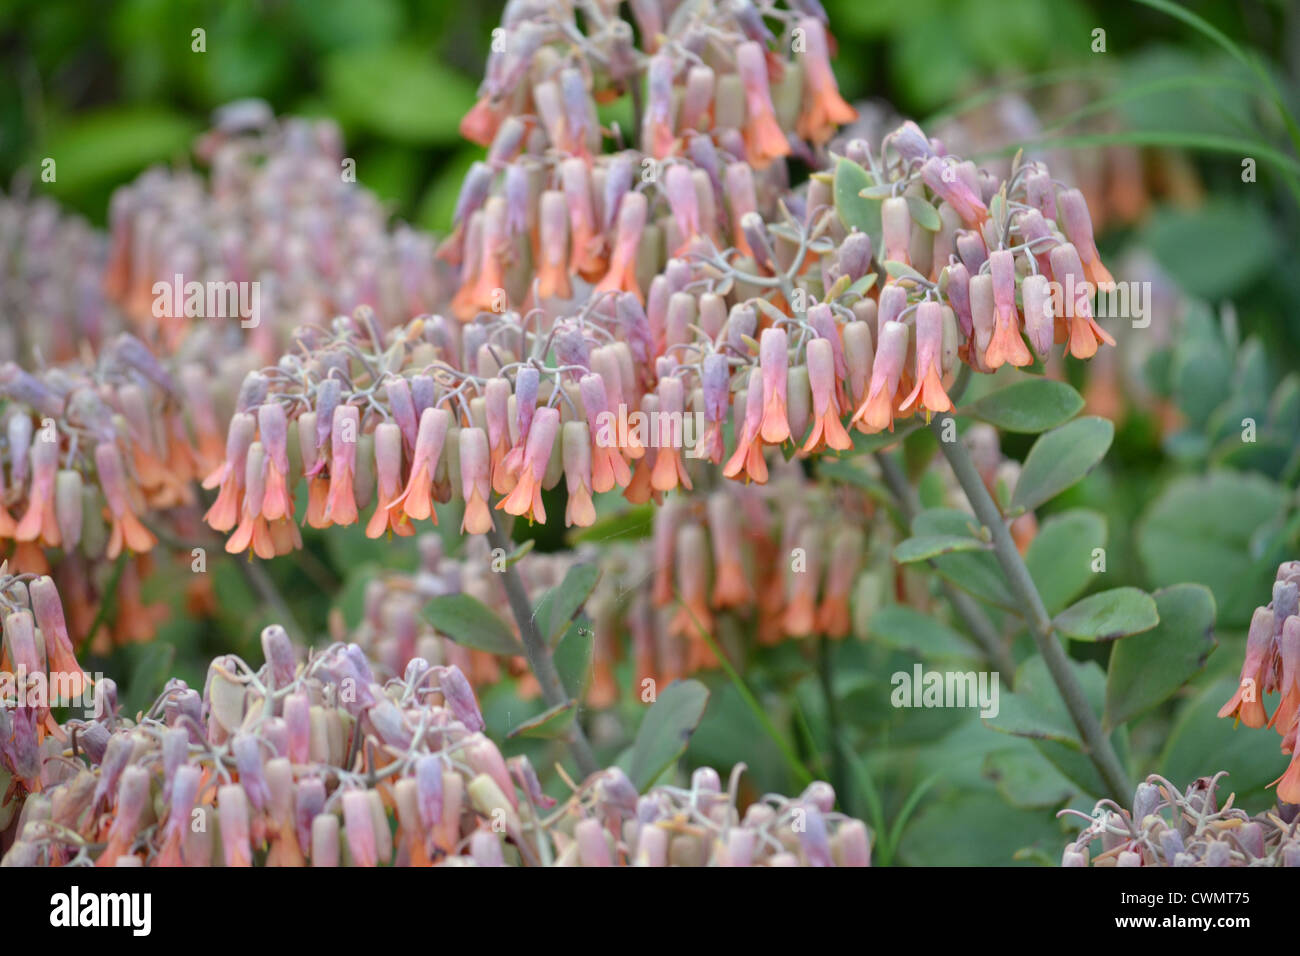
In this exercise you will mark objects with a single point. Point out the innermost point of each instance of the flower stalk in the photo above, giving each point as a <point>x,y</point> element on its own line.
<point>1096,744</point>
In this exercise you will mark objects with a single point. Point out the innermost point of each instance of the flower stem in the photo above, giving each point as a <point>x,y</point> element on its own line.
<point>1096,744</point>
<point>977,622</point>
<point>539,655</point>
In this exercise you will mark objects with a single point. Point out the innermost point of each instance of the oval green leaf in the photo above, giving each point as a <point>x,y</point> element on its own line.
<point>1145,670</point>
<point>666,730</point>
<point>925,547</point>
<point>471,623</point>
<point>1061,458</point>
<point>1031,406</point>
<point>1109,615</point>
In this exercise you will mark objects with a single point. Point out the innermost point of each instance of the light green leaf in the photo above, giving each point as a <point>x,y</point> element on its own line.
<point>923,214</point>
<point>573,659</point>
<point>1119,612</point>
<point>924,547</point>
<point>1144,670</point>
<point>1061,458</point>
<point>1033,405</point>
<point>1201,528</point>
<point>1060,558</point>
<point>400,92</point>
<point>855,211</point>
<point>906,629</point>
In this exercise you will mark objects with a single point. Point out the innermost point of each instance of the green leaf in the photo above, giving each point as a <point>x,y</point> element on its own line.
<point>1108,616</point>
<point>1201,528</point>
<point>1037,712</point>
<point>151,666</point>
<point>923,214</point>
<point>573,659</point>
<point>549,724</point>
<point>113,144</point>
<point>975,829</point>
<point>561,604</point>
<point>901,270</point>
<point>1215,249</point>
<point>471,623</point>
<point>1033,405</point>
<point>862,286</point>
<point>1060,557</point>
<point>906,629</point>
<point>883,191</point>
<point>924,547</point>
<point>1027,779</point>
<point>1144,670</point>
<point>399,92</point>
<point>1061,458</point>
<point>666,730</point>
<point>855,211</point>
<point>629,524</point>
<point>976,572</point>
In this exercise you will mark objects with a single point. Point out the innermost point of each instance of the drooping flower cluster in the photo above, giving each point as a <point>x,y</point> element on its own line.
<point>280,235</point>
<point>1272,665</point>
<point>51,267</point>
<point>89,450</point>
<point>38,672</point>
<point>623,318</point>
<point>1169,827</point>
<point>317,763</point>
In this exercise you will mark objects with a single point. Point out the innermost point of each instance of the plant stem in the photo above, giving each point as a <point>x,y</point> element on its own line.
<point>791,758</point>
<point>1096,743</point>
<point>838,778</point>
<point>977,622</point>
<point>539,655</point>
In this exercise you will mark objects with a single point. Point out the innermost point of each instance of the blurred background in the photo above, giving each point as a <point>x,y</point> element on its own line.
<point>1182,148</point>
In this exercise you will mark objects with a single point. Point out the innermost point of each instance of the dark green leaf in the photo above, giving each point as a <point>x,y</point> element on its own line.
<point>573,659</point>
<point>471,623</point>
<point>561,604</point>
<point>549,724</point>
<point>977,573</point>
<point>666,730</point>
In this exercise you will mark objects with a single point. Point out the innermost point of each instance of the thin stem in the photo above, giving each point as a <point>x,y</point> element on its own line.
<point>1096,744</point>
<point>539,655</point>
<point>977,622</point>
<point>838,777</point>
<point>751,701</point>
